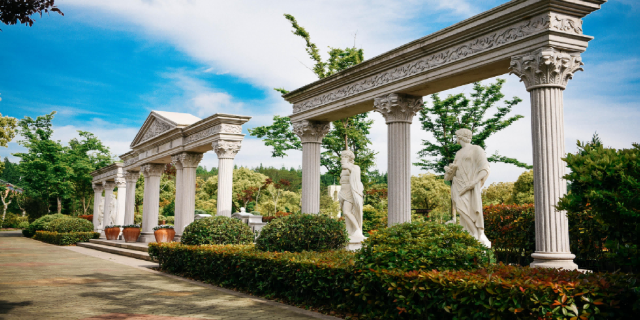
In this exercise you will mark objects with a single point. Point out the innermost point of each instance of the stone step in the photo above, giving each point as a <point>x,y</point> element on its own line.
<point>137,246</point>
<point>116,250</point>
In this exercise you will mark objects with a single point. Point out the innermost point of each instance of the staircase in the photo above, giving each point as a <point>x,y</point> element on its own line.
<point>136,250</point>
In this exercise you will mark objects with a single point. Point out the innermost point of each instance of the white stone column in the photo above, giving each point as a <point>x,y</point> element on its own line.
<point>108,192</point>
<point>398,110</point>
<point>190,163</point>
<point>130,205</point>
<point>226,151</point>
<point>97,198</point>
<point>545,72</point>
<point>177,215</point>
<point>311,134</point>
<point>152,173</point>
<point>121,183</point>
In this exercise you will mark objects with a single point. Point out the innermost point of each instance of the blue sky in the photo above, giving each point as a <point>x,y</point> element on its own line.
<point>106,64</point>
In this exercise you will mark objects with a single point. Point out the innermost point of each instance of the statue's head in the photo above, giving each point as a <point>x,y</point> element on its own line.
<point>348,156</point>
<point>464,135</point>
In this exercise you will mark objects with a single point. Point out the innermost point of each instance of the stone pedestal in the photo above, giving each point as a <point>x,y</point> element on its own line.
<point>545,73</point>
<point>177,224</point>
<point>131,177</point>
<point>354,246</point>
<point>398,111</point>
<point>97,198</point>
<point>150,207</point>
<point>190,163</point>
<point>108,193</point>
<point>311,134</point>
<point>226,151</point>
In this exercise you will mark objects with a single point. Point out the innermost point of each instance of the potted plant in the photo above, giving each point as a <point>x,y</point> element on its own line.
<point>164,233</point>
<point>112,232</point>
<point>131,232</point>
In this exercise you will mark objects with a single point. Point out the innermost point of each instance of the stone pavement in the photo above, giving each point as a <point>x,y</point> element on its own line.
<point>42,281</point>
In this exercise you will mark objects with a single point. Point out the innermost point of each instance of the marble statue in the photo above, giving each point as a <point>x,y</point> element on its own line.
<point>468,172</point>
<point>351,198</point>
<point>101,213</point>
<point>113,210</point>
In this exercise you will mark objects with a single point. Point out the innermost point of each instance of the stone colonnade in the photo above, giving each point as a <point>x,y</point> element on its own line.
<point>109,210</point>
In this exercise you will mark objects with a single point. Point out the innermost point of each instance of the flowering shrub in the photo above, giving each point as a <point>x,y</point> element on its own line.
<point>66,238</point>
<point>303,232</point>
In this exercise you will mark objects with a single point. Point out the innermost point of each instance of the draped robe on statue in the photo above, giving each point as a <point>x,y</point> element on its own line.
<point>352,191</point>
<point>470,162</point>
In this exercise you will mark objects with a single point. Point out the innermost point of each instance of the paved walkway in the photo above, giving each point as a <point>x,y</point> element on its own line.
<point>42,281</point>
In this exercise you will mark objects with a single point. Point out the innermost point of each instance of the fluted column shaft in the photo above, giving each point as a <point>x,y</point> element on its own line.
<point>177,215</point>
<point>545,73</point>
<point>108,193</point>
<point>97,198</point>
<point>150,208</point>
<point>226,151</point>
<point>130,203</point>
<point>311,134</point>
<point>398,111</point>
<point>190,163</point>
<point>121,183</point>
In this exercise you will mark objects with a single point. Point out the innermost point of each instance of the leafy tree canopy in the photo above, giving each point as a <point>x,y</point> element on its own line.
<point>14,11</point>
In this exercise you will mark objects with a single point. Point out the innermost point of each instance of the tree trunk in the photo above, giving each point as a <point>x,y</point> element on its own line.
<point>59,205</point>
<point>5,205</point>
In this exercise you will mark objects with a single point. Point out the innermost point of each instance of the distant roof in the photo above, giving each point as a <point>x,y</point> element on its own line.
<point>180,119</point>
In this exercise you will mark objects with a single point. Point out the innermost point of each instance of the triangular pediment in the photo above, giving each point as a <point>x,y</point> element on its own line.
<point>159,122</point>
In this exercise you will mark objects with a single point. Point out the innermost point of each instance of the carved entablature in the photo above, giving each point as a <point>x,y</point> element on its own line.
<point>311,131</point>
<point>546,67</point>
<point>502,37</point>
<point>156,128</point>
<point>221,128</point>
<point>396,107</point>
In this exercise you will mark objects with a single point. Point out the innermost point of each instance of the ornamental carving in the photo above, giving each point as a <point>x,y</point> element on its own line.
<point>226,149</point>
<point>108,185</point>
<point>311,131</point>
<point>97,188</point>
<point>156,128</point>
<point>396,107</point>
<point>470,48</point>
<point>175,160</point>
<point>546,67</point>
<point>190,160</point>
<point>221,128</point>
<point>121,183</point>
<point>152,169</point>
<point>131,176</point>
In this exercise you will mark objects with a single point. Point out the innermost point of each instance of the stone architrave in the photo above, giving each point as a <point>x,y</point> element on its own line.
<point>97,200</point>
<point>398,111</point>
<point>152,173</point>
<point>351,198</point>
<point>178,225</point>
<point>107,219</point>
<point>121,183</point>
<point>311,134</point>
<point>226,151</point>
<point>189,163</point>
<point>545,73</point>
<point>467,173</point>
<point>131,177</point>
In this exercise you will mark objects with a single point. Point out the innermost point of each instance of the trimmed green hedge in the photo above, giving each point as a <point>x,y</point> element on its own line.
<point>329,281</point>
<point>66,225</point>
<point>65,239</point>
<point>217,230</point>
<point>41,224</point>
<point>303,232</point>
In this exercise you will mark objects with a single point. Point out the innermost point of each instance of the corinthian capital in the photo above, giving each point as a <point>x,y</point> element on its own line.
<point>175,160</point>
<point>153,169</point>
<point>109,185</point>
<point>546,67</point>
<point>396,107</point>
<point>131,176</point>
<point>226,149</point>
<point>97,187</point>
<point>121,183</point>
<point>311,131</point>
<point>190,160</point>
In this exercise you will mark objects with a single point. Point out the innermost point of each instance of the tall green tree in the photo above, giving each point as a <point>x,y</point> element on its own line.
<point>7,132</point>
<point>46,173</point>
<point>444,117</point>
<point>348,133</point>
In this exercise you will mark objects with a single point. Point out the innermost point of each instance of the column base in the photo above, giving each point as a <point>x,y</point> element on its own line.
<point>553,260</point>
<point>147,237</point>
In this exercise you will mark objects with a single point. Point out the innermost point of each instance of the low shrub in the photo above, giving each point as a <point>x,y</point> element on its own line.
<point>23,225</point>
<point>171,220</point>
<point>511,230</point>
<point>41,224</point>
<point>303,232</point>
<point>12,220</point>
<point>217,230</point>
<point>65,239</point>
<point>66,225</point>
<point>373,219</point>
<point>422,246</point>
<point>199,211</point>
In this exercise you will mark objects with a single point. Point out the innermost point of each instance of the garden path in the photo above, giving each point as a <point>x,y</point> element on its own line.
<point>42,281</point>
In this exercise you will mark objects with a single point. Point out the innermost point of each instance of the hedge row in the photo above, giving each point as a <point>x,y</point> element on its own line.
<point>65,239</point>
<point>329,281</point>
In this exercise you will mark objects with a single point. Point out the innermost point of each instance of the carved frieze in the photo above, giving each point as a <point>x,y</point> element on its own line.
<point>548,21</point>
<point>546,67</point>
<point>221,128</point>
<point>226,149</point>
<point>156,128</point>
<point>311,131</point>
<point>396,107</point>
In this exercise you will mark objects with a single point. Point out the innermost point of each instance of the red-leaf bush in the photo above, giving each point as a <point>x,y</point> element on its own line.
<point>511,230</point>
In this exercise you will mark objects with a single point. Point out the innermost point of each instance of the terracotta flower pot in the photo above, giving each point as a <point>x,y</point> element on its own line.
<point>164,235</point>
<point>112,233</point>
<point>131,234</point>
